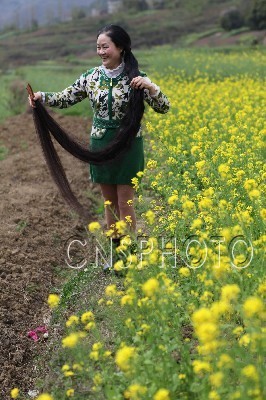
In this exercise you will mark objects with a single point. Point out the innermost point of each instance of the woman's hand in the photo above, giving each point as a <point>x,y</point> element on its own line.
<point>139,82</point>
<point>37,96</point>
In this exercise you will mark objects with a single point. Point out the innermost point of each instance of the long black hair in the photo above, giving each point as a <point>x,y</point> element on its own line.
<point>130,125</point>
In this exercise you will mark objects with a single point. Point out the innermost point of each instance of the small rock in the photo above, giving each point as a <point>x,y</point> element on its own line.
<point>33,393</point>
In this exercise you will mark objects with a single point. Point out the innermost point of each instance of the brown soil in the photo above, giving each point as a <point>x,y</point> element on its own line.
<point>35,224</point>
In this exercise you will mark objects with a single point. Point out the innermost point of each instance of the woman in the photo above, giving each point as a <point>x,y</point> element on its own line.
<point>116,91</point>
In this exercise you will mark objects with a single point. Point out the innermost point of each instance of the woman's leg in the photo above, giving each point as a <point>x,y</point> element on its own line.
<point>125,195</point>
<point>109,192</point>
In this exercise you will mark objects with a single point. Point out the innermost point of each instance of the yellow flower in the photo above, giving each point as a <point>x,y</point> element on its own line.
<point>238,331</point>
<point>128,219</point>
<point>201,366</point>
<point>150,217</point>
<point>197,223</point>
<point>184,271</point>
<point>87,316</point>
<point>97,379</point>
<point>126,299</point>
<point>223,170</point>
<point>230,292</point>
<point>201,316</point>
<point>205,203</point>
<point>110,290</point>
<point>226,232</point>
<point>172,199</point>
<point>151,164</point>
<point>69,373</point>
<point>236,395</point>
<point>213,395</point>
<point>262,289</point>
<point>70,392</point>
<point>97,346</point>
<point>206,296</point>
<point>121,227</point>
<point>252,306</point>
<point>150,287</point>
<point>250,184</point>
<point>94,226</point>
<point>14,393</point>
<point>94,355</point>
<point>216,379</point>
<point>70,340</point>
<point>73,319</point>
<point>124,356</point>
<point>250,372</point>
<point>244,340</point>
<point>208,347</point>
<point>109,232</point>
<point>263,213</point>
<point>225,361</point>
<point>154,257</point>
<point>188,205</point>
<point>133,391</point>
<point>200,164</point>
<point>132,259</point>
<point>162,394</point>
<point>254,194</point>
<point>53,300</point>
<point>44,396</point>
<point>90,325</point>
<point>107,203</point>
<point>194,149</point>
<point>207,332</point>
<point>135,183</point>
<point>119,265</point>
<point>145,328</point>
<point>223,204</point>
<point>77,367</point>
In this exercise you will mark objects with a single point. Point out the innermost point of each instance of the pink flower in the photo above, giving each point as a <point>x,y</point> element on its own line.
<point>33,335</point>
<point>40,329</point>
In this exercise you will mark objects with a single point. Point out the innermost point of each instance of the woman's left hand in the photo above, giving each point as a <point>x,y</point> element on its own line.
<point>139,82</point>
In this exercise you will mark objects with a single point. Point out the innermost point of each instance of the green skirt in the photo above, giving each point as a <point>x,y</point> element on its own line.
<point>121,170</point>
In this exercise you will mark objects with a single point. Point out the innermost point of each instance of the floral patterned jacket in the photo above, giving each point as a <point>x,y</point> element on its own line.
<point>108,98</point>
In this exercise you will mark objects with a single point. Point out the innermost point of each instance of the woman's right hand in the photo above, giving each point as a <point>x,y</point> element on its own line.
<point>37,96</point>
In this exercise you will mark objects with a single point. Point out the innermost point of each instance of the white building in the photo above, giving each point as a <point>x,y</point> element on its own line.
<point>113,6</point>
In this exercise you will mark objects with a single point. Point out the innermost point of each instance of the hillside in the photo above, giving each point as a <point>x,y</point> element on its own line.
<point>77,38</point>
<point>23,14</point>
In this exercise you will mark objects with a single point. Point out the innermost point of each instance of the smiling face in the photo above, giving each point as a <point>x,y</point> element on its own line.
<point>110,54</point>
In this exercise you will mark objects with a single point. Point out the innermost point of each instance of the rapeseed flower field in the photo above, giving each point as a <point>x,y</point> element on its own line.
<point>186,314</point>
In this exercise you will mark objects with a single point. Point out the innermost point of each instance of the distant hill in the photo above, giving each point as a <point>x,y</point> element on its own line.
<point>182,25</point>
<point>23,14</point>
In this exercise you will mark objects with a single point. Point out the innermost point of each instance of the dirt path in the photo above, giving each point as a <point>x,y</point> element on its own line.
<point>35,224</point>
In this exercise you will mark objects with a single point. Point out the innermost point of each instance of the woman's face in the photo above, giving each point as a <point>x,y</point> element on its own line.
<point>110,54</point>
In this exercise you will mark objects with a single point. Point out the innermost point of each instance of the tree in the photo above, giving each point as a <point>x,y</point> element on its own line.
<point>231,19</point>
<point>256,17</point>
<point>77,13</point>
<point>137,5</point>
